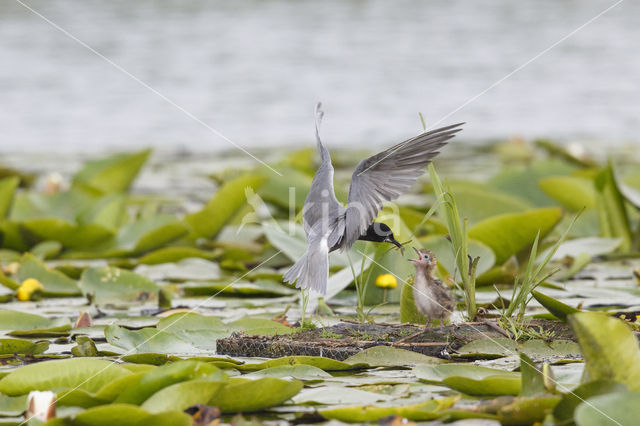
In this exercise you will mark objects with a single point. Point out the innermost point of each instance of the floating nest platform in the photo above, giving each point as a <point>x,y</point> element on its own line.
<point>343,340</point>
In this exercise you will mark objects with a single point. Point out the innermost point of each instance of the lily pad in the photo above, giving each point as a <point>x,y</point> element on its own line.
<point>564,411</point>
<point>23,347</point>
<point>125,415</point>
<point>87,374</point>
<point>509,234</point>
<point>471,379</point>
<point>183,395</point>
<point>55,283</point>
<point>423,411</point>
<point>209,221</point>
<point>574,193</point>
<point>243,395</point>
<point>386,356</point>
<point>148,340</point>
<point>8,187</point>
<point>112,174</point>
<point>15,320</point>
<point>609,348</point>
<point>620,408</point>
<point>558,309</point>
<point>173,254</point>
<point>110,283</point>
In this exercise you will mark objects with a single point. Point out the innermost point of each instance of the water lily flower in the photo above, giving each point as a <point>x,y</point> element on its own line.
<point>28,289</point>
<point>386,281</point>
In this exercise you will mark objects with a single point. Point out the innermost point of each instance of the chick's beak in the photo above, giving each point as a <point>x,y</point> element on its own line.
<point>418,253</point>
<point>392,240</point>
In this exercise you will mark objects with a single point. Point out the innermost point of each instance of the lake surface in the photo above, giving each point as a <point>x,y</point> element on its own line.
<point>254,70</point>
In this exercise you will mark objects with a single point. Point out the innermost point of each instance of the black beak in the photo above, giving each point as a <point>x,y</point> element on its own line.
<point>395,242</point>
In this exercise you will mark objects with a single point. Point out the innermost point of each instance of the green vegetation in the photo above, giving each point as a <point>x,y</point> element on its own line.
<point>164,269</point>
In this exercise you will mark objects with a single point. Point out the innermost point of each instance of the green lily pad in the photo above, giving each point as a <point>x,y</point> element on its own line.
<point>523,182</point>
<point>54,282</point>
<point>609,348</point>
<point>614,220</point>
<point>23,347</point>
<point>574,193</point>
<point>87,374</point>
<point>423,411</point>
<point>242,395</point>
<point>384,356</point>
<point>209,221</point>
<point>558,309</point>
<point>148,340</point>
<point>173,254</point>
<point>620,408</point>
<point>67,233</point>
<point>525,411</point>
<point>471,379</point>
<point>46,249</point>
<point>192,268</point>
<point>564,411</point>
<point>108,283</point>
<point>300,372</point>
<point>326,364</point>
<point>112,174</point>
<point>15,320</point>
<point>12,406</point>
<point>8,187</point>
<point>256,288</point>
<point>124,415</point>
<point>509,234</point>
<point>477,202</point>
<point>181,396</point>
<point>161,377</point>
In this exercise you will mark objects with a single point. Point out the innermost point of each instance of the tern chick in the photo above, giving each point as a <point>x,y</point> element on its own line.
<point>433,298</point>
<point>330,226</point>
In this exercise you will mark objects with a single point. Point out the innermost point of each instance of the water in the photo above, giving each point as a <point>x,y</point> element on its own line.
<point>253,71</point>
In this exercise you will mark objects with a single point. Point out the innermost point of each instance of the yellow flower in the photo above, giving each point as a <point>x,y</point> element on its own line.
<point>29,288</point>
<point>386,281</point>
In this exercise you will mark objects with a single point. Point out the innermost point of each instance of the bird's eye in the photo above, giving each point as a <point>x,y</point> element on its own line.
<point>425,257</point>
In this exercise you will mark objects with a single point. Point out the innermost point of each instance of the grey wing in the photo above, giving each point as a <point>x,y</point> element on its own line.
<point>387,175</point>
<point>321,205</point>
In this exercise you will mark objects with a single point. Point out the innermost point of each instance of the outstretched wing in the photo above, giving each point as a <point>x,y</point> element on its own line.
<point>321,208</point>
<point>387,175</point>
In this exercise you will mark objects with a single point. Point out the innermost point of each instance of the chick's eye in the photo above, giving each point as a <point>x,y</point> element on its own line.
<point>425,257</point>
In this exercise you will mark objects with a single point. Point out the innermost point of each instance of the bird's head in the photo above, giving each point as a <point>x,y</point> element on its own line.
<point>381,233</point>
<point>425,260</point>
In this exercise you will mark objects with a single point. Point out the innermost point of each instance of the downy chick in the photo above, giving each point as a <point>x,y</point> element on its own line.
<point>433,298</point>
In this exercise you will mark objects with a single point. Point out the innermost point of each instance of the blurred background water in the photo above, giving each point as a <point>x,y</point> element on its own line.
<point>253,70</point>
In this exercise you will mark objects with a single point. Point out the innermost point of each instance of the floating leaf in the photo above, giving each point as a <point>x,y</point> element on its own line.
<point>609,348</point>
<point>574,193</point>
<point>509,234</point>
<point>148,340</point>
<point>300,372</point>
<point>112,174</point>
<point>423,411</point>
<point>612,213</point>
<point>620,408</point>
<point>55,283</point>
<point>186,269</point>
<point>471,379</point>
<point>242,395</point>
<point>111,283</point>
<point>225,203</point>
<point>564,411</point>
<point>557,308</point>
<point>148,234</point>
<point>23,347</point>
<point>382,356</point>
<point>525,411</point>
<point>15,320</point>
<point>8,187</point>
<point>181,396</point>
<point>477,202</point>
<point>523,182</point>
<point>592,246</point>
<point>68,234</point>
<point>46,249</point>
<point>173,254</point>
<point>88,374</point>
<point>124,415</point>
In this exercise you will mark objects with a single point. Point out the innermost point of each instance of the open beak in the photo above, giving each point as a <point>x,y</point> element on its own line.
<point>418,253</point>
<point>395,242</point>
